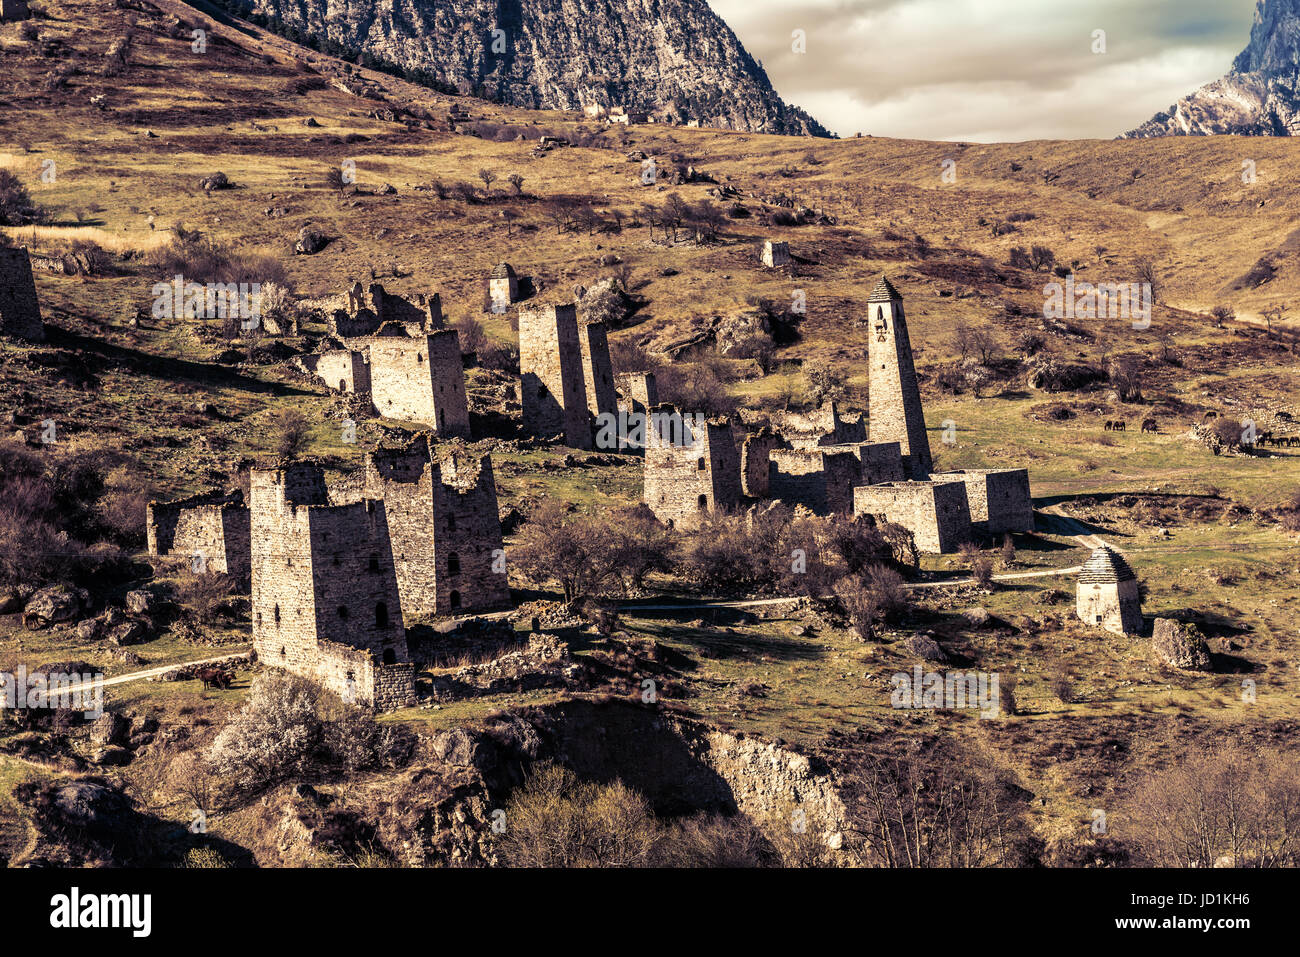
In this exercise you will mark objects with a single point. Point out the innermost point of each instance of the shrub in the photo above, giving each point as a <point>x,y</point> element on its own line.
<point>356,741</point>
<point>203,260</point>
<point>555,820</point>
<point>16,206</point>
<point>273,737</point>
<point>473,337</point>
<point>290,434</point>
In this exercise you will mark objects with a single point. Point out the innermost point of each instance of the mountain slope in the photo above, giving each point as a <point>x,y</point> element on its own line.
<point>1259,95</point>
<point>645,55</point>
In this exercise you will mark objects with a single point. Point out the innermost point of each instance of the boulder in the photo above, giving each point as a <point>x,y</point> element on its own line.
<point>309,241</point>
<point>111,756</point>
<point>1180,645</point>
<point>925,647</point>
<point>215,181</point>
<point>460,748</point>
<point>140,602</point>
<point>127,633</point>
<point>110,728</point>
<point>53,605</point>
<point>977,617</point>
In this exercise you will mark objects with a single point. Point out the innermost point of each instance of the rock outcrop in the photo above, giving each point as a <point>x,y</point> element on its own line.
<point>664,57</point>
<point>1260,96</point>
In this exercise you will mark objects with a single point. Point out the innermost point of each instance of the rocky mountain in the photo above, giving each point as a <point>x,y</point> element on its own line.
<point>657,56</point>
<point>1260,96</point>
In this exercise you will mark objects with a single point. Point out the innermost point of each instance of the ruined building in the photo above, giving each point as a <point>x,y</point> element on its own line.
<point>639,390</point>
<point>936,513</point>
<point>552,380</point>
<point>210,531</point>
<point>755,461</point>
<point>503,287</point>
<point>597,372</point>
<point>325,599</point>
<point>20,311</point>
<point>690,473</point>
<point>1000,500</point>
<point>775,254</point>
<point>822,427</point>
<point>370,308</point>
<point>896,414</point>
<point>443,528</point>
<point>1108,593</point>
<point>821,480</point>
<point>420,379</point>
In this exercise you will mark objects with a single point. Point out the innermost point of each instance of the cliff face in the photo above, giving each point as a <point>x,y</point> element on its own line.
<point>645,55</point>
<point>1258,97</point>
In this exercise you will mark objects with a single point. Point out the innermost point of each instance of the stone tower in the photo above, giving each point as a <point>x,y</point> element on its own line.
<point>325,600</point>
<point>503,287</point>
<point>597,372</point>
<point>420,380</point>
<point>444,529</point>
<point>20,311</point>
<point>552,387</point>
<point>14,10</point>
<point>691,468</point>
<point>1108,593</point>
<point>895,413</point>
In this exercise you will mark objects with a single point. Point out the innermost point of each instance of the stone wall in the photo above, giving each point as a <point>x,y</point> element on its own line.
<point>213,528</point>
<point>821,481</point>
<point>347,370</point>
<point>597,371</point>
<point>421,380</point>
<point>754,459</point>
<point>880,461</point>
<point>1000,499</point>
<point>20,310</point>
<point>359,678</point>
<point>552,386</point>
<point>775,254</point>
<point>685,480</point>
<point>936,513</point>
<point>639,389</point>
<point>11,10</point>
<point>821,427</point>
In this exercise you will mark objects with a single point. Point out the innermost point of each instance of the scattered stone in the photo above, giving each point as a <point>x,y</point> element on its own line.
<point>310,241</point>
<point>215,181</point>
<point>925,647</point>
<point>53,605</point>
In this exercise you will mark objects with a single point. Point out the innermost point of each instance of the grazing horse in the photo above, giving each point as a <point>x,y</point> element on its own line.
<point>1210,415</point>
<point>1120,425</point>
<point>215,677</point>
<point>1109,425</point>
<point>1148,425</point>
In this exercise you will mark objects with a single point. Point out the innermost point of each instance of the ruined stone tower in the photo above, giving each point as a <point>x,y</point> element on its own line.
<point>420,380</point>
<point>597,371</point>
<point>20,311</point>
<point>691,468</point>
<point>503,287</point>
<point>443,526</point>
<point>211,532</point>
<point>325,601</point>
<point>1108,593</point>
<point>552,385</point>
<point>895,413</point>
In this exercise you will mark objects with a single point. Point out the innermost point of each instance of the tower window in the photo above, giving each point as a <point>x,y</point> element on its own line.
<point>699,465</point>
<point>277,614</point>
<point>454,599</point>
<point>390,656</point>
<point>343,612</point>
<point>374,563</point>
<point>453,564</point>
<point>702,501</point>
<point>381,615</point>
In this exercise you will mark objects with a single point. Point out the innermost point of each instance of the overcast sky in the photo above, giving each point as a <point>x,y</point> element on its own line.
<point>989,70</point>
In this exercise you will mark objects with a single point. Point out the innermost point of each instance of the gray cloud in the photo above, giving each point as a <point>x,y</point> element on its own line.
<point>989,70</point>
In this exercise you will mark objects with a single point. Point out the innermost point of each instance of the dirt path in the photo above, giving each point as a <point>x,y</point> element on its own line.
<point>160,670</point>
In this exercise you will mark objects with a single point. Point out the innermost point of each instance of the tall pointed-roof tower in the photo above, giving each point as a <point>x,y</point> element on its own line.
<point>896,413</point>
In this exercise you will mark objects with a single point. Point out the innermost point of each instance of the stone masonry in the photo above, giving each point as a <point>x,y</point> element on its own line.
<point>1108,594</point>
<point>421,380</point>
<point>821,480</point>
<point>895,413</point>
<point>775,254</point>
<point>1000,500</point>
<point>821,427</point>
<point>640,391</point>
<point>692,473</point>
<point>552,384</point>
<point>936,513</point>
<point>20,310</point>
<point>878,461</point>
<point>211,531</point>
<point>325,599</point>
<point>755,454</point>
<point>443,526</point>
<point>597,370</point>
<point>503,287</point>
